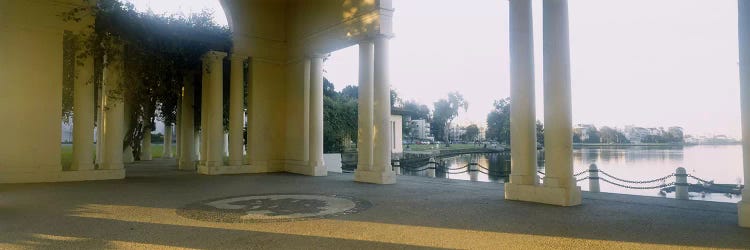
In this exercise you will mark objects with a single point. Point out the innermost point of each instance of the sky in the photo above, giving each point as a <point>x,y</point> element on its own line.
<point>633,62</point>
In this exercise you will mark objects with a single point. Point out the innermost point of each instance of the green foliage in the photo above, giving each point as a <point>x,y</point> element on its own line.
<point>445,111</point>
<point>498,123</point>
<point>472,131</point>
<point>339,119</point>
<point>157,51</point>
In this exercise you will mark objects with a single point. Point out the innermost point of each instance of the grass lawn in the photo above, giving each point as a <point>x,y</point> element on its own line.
<point>67,153</point>
<point>441,147</point>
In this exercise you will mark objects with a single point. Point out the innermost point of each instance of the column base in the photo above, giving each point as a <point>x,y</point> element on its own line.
<point>560,196</point>
<point>127,155</point>
<point>319,170</point>
<point>743,213</point>
<point>222,170</point>
<point>376,177</point>
<point>235,163</point>
<point>61,176</point>
<point>112,166</point>
<point>82,166</point>
<point>186,165</point>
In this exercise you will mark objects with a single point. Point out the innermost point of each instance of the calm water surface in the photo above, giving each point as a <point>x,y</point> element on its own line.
<point>723,164</point>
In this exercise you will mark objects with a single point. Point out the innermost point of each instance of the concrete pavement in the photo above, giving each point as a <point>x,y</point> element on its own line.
<point>417,212</point>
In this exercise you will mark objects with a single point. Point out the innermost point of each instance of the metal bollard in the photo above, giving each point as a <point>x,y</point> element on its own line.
<point>431,168</point>
<point>681,184</point>
<point>473,171</point>
<point>593,178</point>
<point>397,167</point>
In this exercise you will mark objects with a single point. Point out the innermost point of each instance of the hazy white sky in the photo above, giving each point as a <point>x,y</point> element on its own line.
<point>642,62</point>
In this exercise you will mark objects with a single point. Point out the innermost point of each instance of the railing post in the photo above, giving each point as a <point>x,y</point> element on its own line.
<point>593,178</point>
<point>431,168</point>
<point>681,184</point>
<point>473,171</point>
<point>397,167</point>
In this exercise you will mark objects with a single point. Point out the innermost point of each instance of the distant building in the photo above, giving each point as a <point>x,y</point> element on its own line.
<point>584,130</point>
<point>421,130</point>
<point>456,132</point>
<point>636,134</point>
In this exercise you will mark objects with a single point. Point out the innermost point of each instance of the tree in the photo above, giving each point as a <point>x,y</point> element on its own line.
<point>328,89</point>
<point>498,121</point>
<point>350,92</point>
<point>472,132</point>
<point>156,50</point>
<point>395,99</point>
<point>444,112</point>
<point>540,133</point>
<point>416,110</point>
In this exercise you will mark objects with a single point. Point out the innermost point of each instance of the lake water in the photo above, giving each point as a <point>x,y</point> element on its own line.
<point>723,164</point>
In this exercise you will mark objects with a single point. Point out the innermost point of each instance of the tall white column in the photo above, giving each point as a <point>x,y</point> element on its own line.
<point>214,111</point>
<point>744,43</point>
<point>316,164</point>
<point>381,171</point>
<point>83,117</point>
<point>523,107</point>
<point>146,144</point>
<point>558,104</point>
<point>114,116</point>
<point>365,105</point>
<point>167,150</point>
<point>236,114</point>
<point>187,130</point>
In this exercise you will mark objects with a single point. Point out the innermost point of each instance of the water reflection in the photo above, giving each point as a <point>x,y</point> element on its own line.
<point>722,164</point>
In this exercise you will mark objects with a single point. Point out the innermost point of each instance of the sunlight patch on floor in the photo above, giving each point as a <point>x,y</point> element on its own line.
<point>360,230</point>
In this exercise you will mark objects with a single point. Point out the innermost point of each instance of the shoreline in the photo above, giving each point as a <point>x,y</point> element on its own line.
<point>652,144</point>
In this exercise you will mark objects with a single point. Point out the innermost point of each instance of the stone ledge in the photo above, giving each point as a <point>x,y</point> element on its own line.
<point>375,177</point>
<point>542,194</point>
<point>306,170</point>
<point>61,176</point>
<point>242,169</point>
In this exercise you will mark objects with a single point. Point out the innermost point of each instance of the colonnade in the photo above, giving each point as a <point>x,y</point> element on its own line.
<point>559,186</point>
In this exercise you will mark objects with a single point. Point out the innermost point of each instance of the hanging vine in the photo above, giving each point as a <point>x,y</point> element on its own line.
<point>156,50</point>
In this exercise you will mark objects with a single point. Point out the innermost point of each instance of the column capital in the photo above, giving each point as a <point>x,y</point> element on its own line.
<point>213,56</point>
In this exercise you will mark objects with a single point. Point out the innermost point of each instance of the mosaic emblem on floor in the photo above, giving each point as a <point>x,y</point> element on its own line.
<point>273,208</point>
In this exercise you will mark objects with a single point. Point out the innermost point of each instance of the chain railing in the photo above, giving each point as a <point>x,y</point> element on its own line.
<point>680,184</point>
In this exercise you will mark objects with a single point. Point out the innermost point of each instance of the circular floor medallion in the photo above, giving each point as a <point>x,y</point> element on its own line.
<point>272,208</point>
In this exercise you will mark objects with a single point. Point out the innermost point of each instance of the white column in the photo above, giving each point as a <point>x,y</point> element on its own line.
<point>316,164</point>
<point>83,117</point>
<point>236,114</point>
<point>558,105</point>
<point>114,116</point>
<point>214,111</point>
<point>146,144</point>
<point>365,112</point>
<point>187,130</point>
<point>744,41</point>
<point>523,108</point>
<point>167,150</point>
<point>381,156</point>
